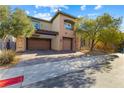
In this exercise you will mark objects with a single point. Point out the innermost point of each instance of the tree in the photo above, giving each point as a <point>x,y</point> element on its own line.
<point>22,25</point>
<point>92,28</point>
<point>111,37</point>
<point>15,23</point>
<point>5,24</point>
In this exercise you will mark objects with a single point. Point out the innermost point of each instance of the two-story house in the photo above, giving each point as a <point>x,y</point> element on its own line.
<point>56,34</point>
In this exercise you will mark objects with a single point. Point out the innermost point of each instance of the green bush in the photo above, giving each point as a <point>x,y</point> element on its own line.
<point>6,57</point>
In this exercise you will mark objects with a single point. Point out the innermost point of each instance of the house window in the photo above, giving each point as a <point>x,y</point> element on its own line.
<point>37,25</point>
<point>68,26</point>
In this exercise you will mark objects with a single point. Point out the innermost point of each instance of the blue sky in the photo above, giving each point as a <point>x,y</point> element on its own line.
<point>47,12</point>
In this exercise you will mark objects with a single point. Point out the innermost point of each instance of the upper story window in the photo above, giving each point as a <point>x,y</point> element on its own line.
<point>36,25</point>
<point>68,24</point>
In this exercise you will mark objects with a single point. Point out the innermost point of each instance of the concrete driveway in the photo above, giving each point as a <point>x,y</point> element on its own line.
<point>109,75</point>
<point>113,78</point>
<point>57,70</point>
<point>38,57</point>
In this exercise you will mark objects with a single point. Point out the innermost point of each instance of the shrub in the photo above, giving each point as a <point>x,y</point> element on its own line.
<point>6,57</point>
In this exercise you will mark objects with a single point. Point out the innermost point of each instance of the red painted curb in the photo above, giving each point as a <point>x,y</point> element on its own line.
<point>11,81</point>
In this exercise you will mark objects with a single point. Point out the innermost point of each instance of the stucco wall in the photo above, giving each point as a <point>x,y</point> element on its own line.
<point>20,44</point>
<point>56,24</point>
<point>55,43</point>
<point>66,33</point>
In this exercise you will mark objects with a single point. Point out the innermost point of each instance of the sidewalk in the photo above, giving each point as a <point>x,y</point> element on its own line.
<point>114,78</point>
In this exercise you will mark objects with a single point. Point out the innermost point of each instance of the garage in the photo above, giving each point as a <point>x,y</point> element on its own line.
<point>67,43</point>
<point>38,44</point>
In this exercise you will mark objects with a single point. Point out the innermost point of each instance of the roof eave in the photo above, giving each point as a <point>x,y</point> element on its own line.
<point>62,14</point>
<point>50,21</point>
<point>39,19</point>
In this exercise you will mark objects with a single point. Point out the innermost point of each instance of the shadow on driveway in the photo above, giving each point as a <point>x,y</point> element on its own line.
<point>75,79</point>
<point>42,60</point>
<point>78,79</point>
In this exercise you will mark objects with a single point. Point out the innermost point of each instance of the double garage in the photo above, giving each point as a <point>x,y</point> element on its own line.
<point>38,44</point>
<point>45,44</point>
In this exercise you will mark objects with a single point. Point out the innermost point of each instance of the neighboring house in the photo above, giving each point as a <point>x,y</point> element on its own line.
<point>12,43</point>
<point>56,34</point>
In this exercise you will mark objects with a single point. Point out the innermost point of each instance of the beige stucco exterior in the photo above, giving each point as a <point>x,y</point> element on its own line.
<point>20,44</point>
<point>57,25</point>
<point>55,43</point>
<point>66,33</point>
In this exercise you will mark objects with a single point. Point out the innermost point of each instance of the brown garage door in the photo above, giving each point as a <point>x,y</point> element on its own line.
<point>36,43</point>
<point>67,43</point>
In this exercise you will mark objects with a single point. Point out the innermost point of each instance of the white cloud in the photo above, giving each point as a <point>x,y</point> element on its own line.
<point>98,7</point>
<point>88,15</point>
<point>53,8</point>
<point>83,7</point>
<point>37,6</point>
<point>79,16</point>
<point>27,12</point>
<point>46,16</point>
